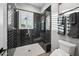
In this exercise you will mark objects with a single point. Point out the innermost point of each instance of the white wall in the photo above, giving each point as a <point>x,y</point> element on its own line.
<point>5,25</point>
<point>27,7</point>
<point>1,25</point>
<point>54,36</point>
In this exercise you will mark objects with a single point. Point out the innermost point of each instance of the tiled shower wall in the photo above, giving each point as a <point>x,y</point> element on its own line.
<point>12,37</point>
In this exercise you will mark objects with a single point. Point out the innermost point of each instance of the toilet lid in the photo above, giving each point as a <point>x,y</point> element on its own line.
<point>59,52</point>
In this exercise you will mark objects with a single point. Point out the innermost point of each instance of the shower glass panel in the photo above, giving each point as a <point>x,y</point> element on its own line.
<point>47,20</point>
<point>25,20</point>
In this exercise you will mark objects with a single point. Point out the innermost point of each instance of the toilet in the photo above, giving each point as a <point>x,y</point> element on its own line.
<point>65,49</point>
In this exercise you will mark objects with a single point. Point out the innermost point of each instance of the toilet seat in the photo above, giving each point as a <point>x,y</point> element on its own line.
<point>59,52</point>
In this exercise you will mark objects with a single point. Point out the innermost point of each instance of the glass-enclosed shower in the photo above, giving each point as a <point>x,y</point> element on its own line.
<point>27,27</point>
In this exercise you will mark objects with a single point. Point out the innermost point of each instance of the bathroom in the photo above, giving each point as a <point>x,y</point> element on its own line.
<point>34,29</point>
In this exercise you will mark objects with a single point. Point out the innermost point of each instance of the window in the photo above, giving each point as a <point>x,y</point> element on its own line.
<point>25,20</point>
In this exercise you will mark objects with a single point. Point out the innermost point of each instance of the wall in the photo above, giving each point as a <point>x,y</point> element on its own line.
<point>5,25</point>
<point>27,7</point>
<point>65,7</point>
<point>62,8</point>
<point>54,35</point>
<point>1,25</point>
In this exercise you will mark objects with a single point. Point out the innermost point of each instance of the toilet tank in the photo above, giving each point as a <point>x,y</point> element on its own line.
<point>67,47</point>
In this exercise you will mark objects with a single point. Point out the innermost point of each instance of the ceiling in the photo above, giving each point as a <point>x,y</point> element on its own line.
<point>38,5</point>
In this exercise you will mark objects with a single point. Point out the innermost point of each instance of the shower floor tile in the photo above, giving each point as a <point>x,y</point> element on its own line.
<point>29,50</point>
